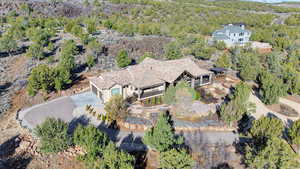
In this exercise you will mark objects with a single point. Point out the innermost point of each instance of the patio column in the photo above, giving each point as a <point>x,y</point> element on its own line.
<point>201,80</point>
<point>193,83</point>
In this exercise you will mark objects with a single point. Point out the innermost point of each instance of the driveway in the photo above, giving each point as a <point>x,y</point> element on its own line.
<point>61,108</point>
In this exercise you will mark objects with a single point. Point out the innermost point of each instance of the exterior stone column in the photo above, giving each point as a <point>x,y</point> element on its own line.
<point>201,80</point>
<point>193,83</point>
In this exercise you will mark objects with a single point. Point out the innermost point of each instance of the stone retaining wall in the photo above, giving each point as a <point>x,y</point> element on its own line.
<point>139,127</point>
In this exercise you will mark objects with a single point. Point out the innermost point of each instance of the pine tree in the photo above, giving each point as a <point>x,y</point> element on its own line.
<point>161,137</point>
<point>122,59</point>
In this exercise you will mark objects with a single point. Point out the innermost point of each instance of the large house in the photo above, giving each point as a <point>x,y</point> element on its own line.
<point>149,78</point>
<point>232,35</point>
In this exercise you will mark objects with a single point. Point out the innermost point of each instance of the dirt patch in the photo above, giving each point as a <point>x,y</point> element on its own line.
<point>293,98</point>
<point>283,109</point>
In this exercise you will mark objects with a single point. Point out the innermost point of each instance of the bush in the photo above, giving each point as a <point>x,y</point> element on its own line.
<point>53,135</point>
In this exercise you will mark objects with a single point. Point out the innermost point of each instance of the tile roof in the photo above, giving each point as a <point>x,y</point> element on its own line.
<point>149,72</point>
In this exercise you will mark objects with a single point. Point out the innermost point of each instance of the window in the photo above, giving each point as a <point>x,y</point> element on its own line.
<point>241,39</point>
<point>115,91</point>
<point>241,34</point>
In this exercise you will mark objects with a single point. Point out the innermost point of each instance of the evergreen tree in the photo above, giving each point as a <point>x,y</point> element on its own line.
<point>162,137</point>
<point>53,135</point>
<point>122,59</point>
<point>146,55</point>
<point>238,106</point>
<point>116,159</point>
<point>294,132</point>
<point>265,128</point>
<point>67,60</point>
<point>41,78</point>
<point>8,44</point>
<point>175,159</point>
<point>173,51</point>
<point>223,61</point>
<point>270,87</point>
<point>275,154</point>
<point>35,51</point>
<point>90,61</point>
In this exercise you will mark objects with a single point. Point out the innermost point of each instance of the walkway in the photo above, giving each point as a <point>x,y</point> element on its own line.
<point>262,110</point>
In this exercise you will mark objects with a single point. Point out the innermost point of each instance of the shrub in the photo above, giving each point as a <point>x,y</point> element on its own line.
<point>53,135</point>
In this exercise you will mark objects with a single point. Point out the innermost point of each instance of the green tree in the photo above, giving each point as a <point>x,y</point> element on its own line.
<point>62,77</point>
<point>35,51</point>
<point>8,44</point>
<point>291,78</point>
<point>115,109</point>
<point>223,61</point>
<point>270,87</point>
<point>67,60</point>
<point>175,159</point>
<point>161,137</point>
<point>172,92</point>
<point>116,159</point>
<point>41,78</point>
<point>53,135</point>
<point>238,105</point>
<point>173,51</point>
<point>220,45</point>
<point>91,26</point>
<point>90,61</point>
<point>122,59</point>
<point>146,55</point>
<point>265,128</point>
<point>294,132</point>
<point>92,140</point>
<point>276,154</point>
<point>94,47</point>
<point>249,66</point>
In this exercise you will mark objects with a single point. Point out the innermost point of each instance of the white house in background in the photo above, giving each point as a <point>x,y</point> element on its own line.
<point>149,78</point>
<point>232,35</point>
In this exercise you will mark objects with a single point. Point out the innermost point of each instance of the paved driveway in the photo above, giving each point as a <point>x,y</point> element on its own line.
<point>61,108</point>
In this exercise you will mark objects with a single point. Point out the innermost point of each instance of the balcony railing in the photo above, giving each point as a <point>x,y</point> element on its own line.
<point>151,93</point>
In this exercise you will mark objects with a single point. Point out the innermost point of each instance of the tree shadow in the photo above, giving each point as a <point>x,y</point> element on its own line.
<point>17,162</point>
<point>223,166</point>
<point>81,120</point>
<point>7,158</point>
<point>4,87</point>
